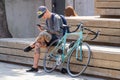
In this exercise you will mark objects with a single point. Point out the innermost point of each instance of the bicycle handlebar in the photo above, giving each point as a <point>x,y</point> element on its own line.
<point>80,26</point>
<point>95,33</point>
<point>84,28</point>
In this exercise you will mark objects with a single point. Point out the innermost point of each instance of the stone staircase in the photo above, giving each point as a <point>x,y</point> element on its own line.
<point>105,60</point>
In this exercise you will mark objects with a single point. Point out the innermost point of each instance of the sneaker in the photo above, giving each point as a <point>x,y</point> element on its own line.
<point>32,70</point>
<point>27,49</point>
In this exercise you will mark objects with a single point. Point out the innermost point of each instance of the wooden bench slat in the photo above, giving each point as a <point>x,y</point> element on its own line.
<point>103,31</point>
<point>102,56</point>
<point>108,12</point>
<point>107,0</point>
<point>101,38</point>
<point>103,72</point>
<point>90,70</point>
<point>19,43</point>
<point>96,59</point>
<point>94,21</point>
<point>97,52</point>
<point>107,5</point>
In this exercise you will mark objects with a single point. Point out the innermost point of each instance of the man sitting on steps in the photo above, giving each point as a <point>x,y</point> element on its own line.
<point>49,33</point>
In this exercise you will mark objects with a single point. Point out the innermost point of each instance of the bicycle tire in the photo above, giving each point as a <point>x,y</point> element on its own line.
<point>49,62</point>
<point>77,68</point>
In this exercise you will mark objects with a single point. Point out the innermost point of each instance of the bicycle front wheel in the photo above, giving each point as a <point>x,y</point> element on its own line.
<point>49,63</point>
<point>77,63</point>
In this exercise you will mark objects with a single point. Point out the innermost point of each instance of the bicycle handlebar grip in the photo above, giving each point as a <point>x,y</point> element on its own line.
<point>96,35</point>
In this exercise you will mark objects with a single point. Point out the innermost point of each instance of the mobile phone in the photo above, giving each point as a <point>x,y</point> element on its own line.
<point>38,25</point>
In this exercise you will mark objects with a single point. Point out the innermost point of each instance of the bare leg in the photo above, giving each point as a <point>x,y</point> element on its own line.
<point>40,42</point>
<point>36,55</point>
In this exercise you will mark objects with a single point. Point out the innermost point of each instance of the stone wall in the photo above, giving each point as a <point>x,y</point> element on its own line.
<point>22,18</point>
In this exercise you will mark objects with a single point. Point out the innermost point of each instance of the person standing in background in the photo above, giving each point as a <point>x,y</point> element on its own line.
<point>69,11</point>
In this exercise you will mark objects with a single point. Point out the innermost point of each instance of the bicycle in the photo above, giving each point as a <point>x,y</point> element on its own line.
<point>76,51</point>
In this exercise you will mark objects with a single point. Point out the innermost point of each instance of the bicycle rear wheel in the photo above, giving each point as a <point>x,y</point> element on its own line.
<point>76,66</point>
<point>49,63</point>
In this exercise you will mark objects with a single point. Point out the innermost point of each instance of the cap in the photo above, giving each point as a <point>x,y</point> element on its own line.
<point>41,11</point>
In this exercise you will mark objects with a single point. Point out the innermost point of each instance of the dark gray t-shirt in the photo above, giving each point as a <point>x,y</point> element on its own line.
<point>54,23</point>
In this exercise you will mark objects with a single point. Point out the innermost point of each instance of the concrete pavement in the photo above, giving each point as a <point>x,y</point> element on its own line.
<point>10,71</point>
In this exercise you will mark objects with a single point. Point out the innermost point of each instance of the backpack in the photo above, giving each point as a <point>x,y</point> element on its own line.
<point>65,27</point>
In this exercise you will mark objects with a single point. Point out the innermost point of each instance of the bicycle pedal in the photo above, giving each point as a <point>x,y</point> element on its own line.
<point>79,59</point>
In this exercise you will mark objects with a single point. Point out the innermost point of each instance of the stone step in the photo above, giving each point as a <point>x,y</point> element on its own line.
<point>108,8</point>
<point>100,57</point>
<point>111,73</point>
<point>109,28</point>
<point>104,59</point>
<point>17,72</point>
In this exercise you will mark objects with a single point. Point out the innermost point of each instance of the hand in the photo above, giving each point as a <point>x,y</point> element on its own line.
<point>40,27</point>
<point>27,49</point>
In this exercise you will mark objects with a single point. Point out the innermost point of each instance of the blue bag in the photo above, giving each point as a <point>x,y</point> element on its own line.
<point>65,26</point>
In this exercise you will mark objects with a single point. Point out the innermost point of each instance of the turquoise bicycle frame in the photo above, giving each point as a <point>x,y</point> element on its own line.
<point>76,45</point>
